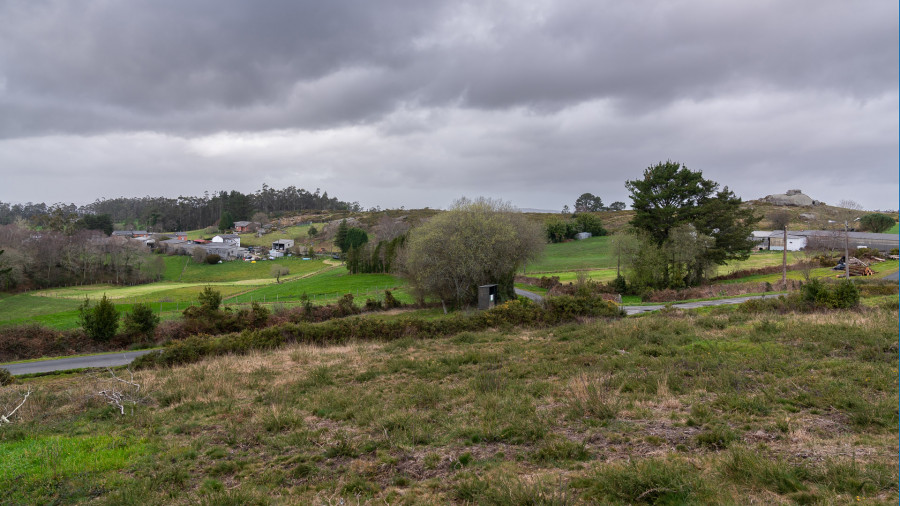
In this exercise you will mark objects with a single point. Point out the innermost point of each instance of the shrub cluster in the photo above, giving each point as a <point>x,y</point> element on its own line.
<point>24,342</point>
<point>812,296</point>
<point>838,295</point>
<point>207,318</point>
<point>562,230</point>
<point>513,312</point>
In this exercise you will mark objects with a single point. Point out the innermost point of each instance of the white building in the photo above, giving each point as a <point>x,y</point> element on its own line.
<point>794,242</point>
<point>229,239</point>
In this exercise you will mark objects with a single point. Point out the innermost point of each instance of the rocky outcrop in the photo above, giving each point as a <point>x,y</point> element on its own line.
<point>792,198</point>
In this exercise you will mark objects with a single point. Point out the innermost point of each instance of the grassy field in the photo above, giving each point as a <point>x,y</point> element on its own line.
<point>236,281</point>
<point>894,230</point>
<point>182,269</point>
<point>720,408</point>
<point>329,285</point>
<point>592,253</point>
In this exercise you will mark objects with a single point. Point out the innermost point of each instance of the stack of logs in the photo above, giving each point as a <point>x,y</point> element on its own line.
<point>858,268</point>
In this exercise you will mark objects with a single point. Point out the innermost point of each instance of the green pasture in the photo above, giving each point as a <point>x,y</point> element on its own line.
<point>596,255</point>
<point>58,308</point>
<point>760,259</point>
<point>327,285</point>
<point>237,270</point>
<point>894,230</point>
<point>592,253</point>
<point>25,307</point>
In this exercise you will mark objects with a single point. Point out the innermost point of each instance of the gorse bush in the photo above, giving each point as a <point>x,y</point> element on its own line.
<point>6,378</point>
<point>141,320</point>
<point>210,299</point>
<point>813,296</point>
<point>390,302</point>
<point>99,321</point>
<point>843,295</point>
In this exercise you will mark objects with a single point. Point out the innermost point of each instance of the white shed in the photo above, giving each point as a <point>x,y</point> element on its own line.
<point>794,242</point>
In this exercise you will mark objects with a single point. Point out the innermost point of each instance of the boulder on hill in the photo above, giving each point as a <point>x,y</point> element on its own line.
<point>792,198</point>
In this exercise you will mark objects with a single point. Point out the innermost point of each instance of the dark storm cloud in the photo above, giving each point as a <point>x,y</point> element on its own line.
<point>203,66</point>
<point>416,102</point>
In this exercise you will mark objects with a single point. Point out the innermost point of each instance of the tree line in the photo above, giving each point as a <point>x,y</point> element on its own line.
<point>44,259</point>
<point>181,213</point>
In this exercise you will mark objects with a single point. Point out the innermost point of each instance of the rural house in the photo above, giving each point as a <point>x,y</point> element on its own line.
<point>243,226</point>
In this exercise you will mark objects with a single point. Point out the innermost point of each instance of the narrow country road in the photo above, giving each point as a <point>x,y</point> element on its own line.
<point>529,295</point>
<point>64,364</point>
<point>632,310</point>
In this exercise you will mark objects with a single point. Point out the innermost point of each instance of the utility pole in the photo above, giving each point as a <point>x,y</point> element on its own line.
<point>846,250</point>
<point>784,261</point>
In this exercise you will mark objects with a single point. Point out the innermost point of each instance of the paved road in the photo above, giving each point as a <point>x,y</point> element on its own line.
<point>530,295</point>
<point>630,310</point>
<point>64,364</point>
<point>893,277</point>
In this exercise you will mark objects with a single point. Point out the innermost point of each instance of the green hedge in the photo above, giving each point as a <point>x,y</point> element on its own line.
<point>514,312</point>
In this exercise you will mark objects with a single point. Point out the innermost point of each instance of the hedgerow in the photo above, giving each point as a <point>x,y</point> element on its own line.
<point>331,332</point>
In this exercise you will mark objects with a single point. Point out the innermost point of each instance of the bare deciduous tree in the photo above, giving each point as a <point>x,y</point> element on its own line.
<point>389,228</point>
<point>779,219</point>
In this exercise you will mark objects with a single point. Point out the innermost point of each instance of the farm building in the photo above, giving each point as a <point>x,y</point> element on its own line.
<point>280,247</point>
<point>835,239</point>
<point>794,242</point>
<point>226,251</point>
<point>243,226</point>
<point>761,238</point>
<point>228,239</point>
<point>130,233</point>
<point>824,240</point>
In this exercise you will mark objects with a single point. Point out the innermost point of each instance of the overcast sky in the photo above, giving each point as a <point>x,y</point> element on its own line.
<point>417,102</point>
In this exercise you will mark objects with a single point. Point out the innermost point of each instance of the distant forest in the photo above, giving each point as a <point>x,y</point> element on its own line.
<point>185,213</point>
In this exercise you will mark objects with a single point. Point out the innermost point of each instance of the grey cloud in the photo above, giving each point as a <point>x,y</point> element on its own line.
<point>417,102</point>
<point>200,67</point>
